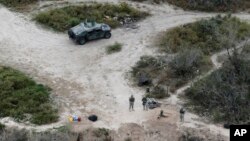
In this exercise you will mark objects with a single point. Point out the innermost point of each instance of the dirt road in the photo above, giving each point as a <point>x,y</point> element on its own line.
<point>85,79</point>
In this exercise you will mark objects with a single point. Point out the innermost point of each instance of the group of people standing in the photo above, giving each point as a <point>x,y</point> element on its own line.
<point>132,101</point>
<point>144,102</point>
<point>146,106</point>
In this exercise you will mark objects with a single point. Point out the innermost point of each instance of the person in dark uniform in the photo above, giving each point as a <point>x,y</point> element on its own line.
<point>131,103</point>
<point>144,101</point>
<point>182,112</point>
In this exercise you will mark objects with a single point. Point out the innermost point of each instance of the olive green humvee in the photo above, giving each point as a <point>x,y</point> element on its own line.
<point>86,31</point>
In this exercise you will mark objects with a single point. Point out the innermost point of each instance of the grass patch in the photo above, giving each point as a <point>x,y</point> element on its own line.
<point>64,18</point>
<point>63,129</point>
<point>113,48</point>
<point>23,99</point>
<point>207,35</point>
<point>18,4</point>
<point>224,96</point>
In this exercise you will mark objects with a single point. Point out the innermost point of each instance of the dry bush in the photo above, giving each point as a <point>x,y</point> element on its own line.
<point>171,74</point>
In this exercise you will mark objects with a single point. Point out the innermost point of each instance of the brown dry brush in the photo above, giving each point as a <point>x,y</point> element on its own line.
<point>171,73</point>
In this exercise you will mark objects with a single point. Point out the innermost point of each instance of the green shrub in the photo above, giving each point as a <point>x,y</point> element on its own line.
<point>212,5</point>
<point>46,115</point>
<point>208,35</point>
<point>114,48</point>
<point>174,73</point>
<point>246,49</point>
<point>21,96</point>
<point>192,45</point>
<point>62,19</point>
<point>187,62</point>
<point>74,22</point>
<point>149,66</point>
<point>2,126</point>
<point>185,66</point>
<point>224,95</point>
<point>207,5</point>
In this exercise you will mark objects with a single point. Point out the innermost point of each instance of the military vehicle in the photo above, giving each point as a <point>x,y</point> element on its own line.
<point>86,31</point>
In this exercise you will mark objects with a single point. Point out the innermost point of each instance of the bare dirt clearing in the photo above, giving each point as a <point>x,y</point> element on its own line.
<point>85,80</point>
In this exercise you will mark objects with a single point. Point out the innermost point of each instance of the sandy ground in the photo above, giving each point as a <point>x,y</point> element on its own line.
<point>85,80</point>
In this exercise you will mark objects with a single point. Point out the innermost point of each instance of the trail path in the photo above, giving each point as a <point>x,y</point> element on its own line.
<point>85,80</point>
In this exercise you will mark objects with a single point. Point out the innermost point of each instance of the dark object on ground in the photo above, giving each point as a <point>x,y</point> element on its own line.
<point>152,103</point>
<point>161,113</point>
<point>226,125</point>
<point>144,80</point>
<point>93,118</point>
<point>86,31</point>
<point>79,119</point>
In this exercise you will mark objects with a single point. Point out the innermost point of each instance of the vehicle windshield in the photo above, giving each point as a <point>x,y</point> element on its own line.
<point>78,29</point>
<point>105,27</point>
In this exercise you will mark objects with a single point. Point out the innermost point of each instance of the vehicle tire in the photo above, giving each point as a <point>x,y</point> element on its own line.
<point>82,41</point>
<point>70,34</point>
<point>107,35</point>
